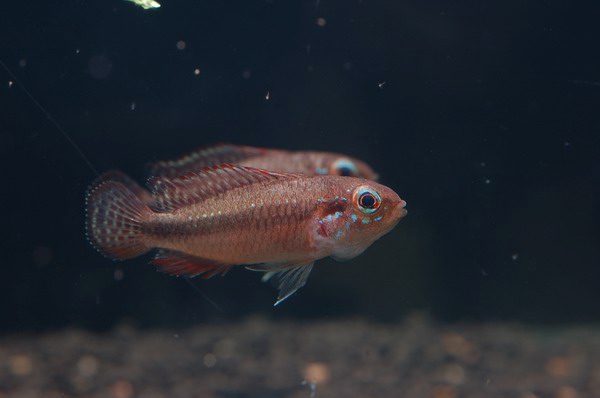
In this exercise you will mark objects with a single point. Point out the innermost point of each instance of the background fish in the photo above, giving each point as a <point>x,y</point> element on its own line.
<point>306,162</point>
<point>206,222</point>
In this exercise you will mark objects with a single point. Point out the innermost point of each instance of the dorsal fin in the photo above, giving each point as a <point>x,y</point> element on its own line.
<point>174,193</point>
<point>204,157</point>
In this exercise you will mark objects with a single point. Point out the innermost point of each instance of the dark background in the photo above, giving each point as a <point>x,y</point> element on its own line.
<point>483,115</point>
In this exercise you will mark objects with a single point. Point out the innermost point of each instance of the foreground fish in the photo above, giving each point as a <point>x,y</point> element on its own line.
<point>209,221</point>
<point>306,162</point>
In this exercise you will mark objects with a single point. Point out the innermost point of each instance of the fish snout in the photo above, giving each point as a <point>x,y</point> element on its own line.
<point>399,209</point>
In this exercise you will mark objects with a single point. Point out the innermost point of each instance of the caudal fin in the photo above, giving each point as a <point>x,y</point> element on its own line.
<point>114,220</point>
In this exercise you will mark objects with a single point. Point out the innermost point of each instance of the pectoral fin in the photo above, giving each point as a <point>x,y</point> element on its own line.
<point>285,277</point>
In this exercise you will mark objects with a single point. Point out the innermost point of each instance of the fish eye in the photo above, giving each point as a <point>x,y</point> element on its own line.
<point>344,168</point>
<point>368,200</point>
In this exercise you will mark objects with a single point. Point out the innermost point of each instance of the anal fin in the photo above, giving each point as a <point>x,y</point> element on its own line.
<point>181,264</point>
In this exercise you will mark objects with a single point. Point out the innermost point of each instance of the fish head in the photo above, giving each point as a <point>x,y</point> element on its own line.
<point>365,212</point>
<point>345,166</point>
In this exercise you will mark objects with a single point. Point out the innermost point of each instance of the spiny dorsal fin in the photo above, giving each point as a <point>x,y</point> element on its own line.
<point>174,193</point>
<point>204,157</point>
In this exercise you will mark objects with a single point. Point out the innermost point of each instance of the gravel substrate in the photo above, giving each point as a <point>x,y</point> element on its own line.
<point>268,359</point>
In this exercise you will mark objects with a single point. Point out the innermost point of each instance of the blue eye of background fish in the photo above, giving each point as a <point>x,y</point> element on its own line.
<point>369,201</point>
<point>345,168</point>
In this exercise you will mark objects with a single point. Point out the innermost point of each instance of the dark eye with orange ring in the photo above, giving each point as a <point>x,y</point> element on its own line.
<point>369,201</point>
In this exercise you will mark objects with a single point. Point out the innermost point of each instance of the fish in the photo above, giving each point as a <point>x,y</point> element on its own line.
<point>206,222</point>
<point>306,162</point>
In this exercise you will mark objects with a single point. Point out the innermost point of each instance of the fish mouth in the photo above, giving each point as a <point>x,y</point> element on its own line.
<point>399,209</point>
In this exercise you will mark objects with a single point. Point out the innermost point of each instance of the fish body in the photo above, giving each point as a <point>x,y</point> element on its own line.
<point>310,163</point>
<point>206,222</point>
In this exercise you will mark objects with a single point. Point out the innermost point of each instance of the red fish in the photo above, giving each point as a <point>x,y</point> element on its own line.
<point>306,162</point>
<point>206,222</point>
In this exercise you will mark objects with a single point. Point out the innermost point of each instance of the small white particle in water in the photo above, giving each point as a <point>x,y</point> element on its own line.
<point>196,72</point>
<point>381,84</point>
<point>180,45</point>
<point>176,336</point>
<point>515,256</point>
<point>118,275</point>
<point>487,181</point>
<point>321,22</point>
<point>268,96</point>
<point>146,4</point>
<point>567,143</point>
<point>210,360</point>
<point>23,63</point>
<point>482,164</point>
<point>246,74</point>
<point>77,51</point>
<point>132,106</point>
<point>10,84</point>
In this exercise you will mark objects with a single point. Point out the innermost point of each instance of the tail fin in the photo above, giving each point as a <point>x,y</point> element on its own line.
<point>115,216</point>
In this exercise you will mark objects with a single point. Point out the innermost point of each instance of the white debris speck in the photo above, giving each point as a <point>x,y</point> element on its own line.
<point>23,63</point>
<point>321,22</point>
<point>488,181</point>
<point>197,72</point>
<point>515,256</point>
<point>246,74</point>
<point>381,84</point>
<point>132,106</point>
<point>146,4</point>
<point>268,96</point>
<point>10,83</point>
<point>181,45</point>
